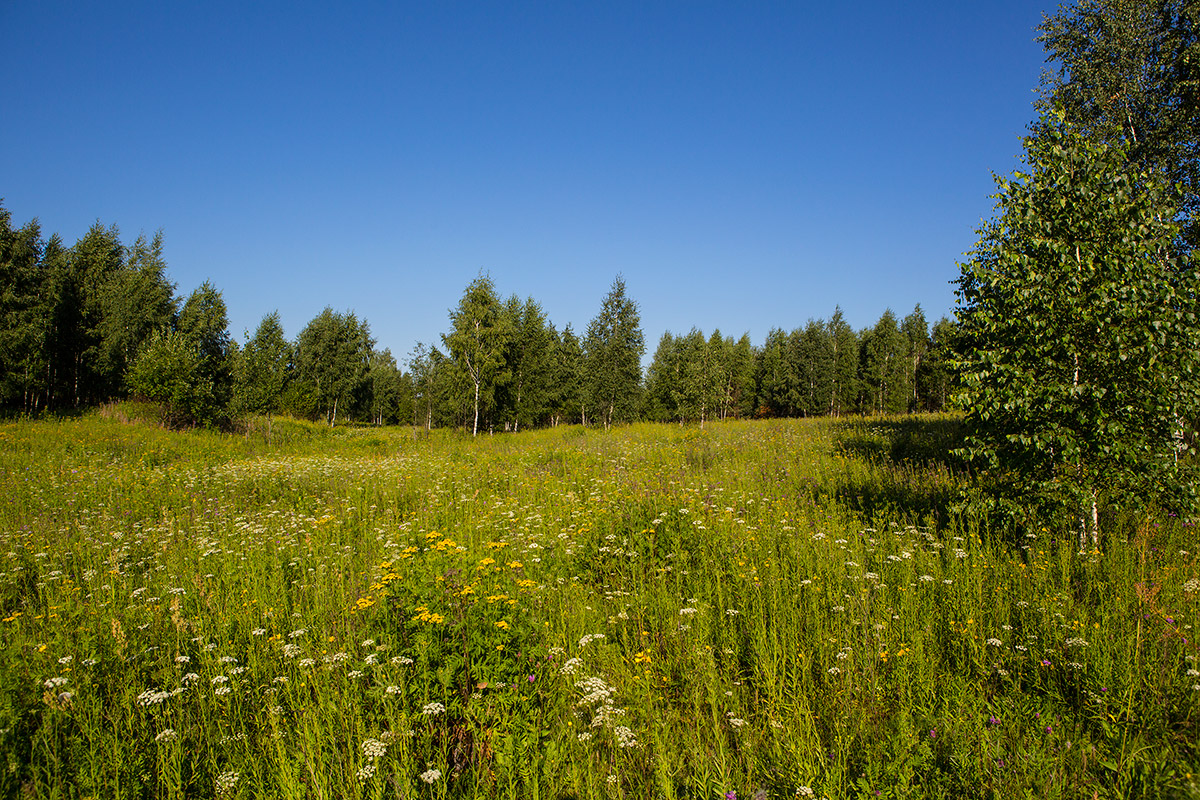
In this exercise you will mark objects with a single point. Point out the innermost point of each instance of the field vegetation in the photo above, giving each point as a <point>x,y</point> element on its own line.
<point>778,608</point>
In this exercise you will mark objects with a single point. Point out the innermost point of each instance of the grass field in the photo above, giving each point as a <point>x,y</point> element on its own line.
<point>760,609</point>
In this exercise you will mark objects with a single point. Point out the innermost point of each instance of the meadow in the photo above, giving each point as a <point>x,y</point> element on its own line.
<point>758,609</point>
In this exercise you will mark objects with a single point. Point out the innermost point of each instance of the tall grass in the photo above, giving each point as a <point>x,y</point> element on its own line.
<point>778,609</point>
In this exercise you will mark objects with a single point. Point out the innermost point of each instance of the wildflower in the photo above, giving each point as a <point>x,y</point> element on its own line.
<point>431,776</point>
<point>226,781</point>
<point>55,682</point>
<point>374,748</point>
<point>258,631</point>
<point>152,697</point>
<point>393,690</point>
<point>167,735</point>
<point>804,791</point>
<point>432,710</point>
<point>625,737</point>
<point>995,642</point>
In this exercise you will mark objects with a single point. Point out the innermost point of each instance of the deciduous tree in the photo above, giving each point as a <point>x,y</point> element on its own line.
<point>1078,340</point>
<point>477,343</point>
<point>613,357</point>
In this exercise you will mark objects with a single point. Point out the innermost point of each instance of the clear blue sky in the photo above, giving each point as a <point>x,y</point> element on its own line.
<point>743,165</point>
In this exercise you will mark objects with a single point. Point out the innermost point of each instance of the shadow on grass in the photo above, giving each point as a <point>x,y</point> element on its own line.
<point>901,467</point>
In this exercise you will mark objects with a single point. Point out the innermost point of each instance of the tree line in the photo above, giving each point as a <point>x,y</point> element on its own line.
<point>100,320</point>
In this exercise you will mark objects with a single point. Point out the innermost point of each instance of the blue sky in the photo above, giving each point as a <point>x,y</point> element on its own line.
<point>743,165</point>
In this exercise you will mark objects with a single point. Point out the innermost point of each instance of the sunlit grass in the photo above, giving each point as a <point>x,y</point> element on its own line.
<point>777,607</point>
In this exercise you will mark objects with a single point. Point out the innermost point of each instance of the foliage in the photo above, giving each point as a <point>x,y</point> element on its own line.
<point>1079,336</point>
<point>477,344</point>
<point>332,354</point>
<point>522,400</point>
<point>262,369</point>
<point>137,300</point>
<point>613,352</point>
<point>170,371</point>
<point>1127,73</point>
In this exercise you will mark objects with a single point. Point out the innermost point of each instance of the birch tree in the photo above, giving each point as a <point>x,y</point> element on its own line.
<point>1078,347</point>
<point>477,342</point>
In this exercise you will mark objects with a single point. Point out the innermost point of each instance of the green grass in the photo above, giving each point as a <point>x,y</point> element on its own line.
<point>772,607</point>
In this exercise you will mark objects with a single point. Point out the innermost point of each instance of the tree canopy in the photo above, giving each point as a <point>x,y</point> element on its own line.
<point>1078,345</point>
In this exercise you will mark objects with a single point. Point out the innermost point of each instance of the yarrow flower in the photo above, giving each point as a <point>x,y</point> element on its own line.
<point>431,776</point>
<point>432,710</point>
<point>226,781</point>
<point>152,697</point>
<point>374,748</point>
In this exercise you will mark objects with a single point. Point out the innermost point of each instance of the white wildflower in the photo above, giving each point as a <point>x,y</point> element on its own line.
<point>374,748</point>
<point>226,781</point>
